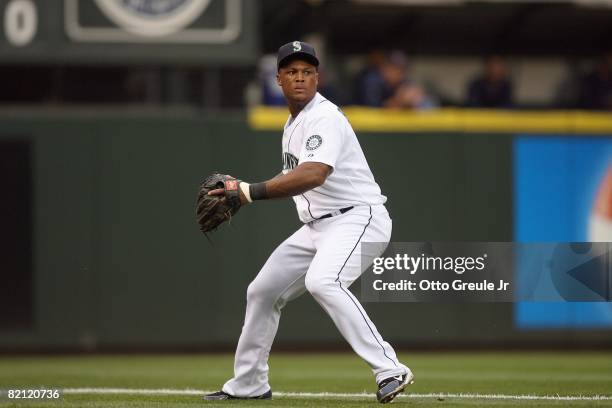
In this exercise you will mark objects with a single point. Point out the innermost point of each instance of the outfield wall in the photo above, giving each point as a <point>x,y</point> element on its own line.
<point>117,260</point>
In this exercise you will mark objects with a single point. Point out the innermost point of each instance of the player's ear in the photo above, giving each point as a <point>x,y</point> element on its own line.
<point>278,80</point>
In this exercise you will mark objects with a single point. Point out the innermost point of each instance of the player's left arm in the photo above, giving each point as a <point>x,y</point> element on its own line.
<point>301,179</point>
<point>318,155</point>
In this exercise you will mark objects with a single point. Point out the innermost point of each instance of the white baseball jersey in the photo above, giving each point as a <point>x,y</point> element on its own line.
<point>321,133</point>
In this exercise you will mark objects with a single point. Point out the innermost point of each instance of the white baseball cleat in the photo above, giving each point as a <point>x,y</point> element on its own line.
<point>390,387</point>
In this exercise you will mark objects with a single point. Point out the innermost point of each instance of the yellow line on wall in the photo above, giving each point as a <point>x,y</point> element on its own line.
<point>453,120</point>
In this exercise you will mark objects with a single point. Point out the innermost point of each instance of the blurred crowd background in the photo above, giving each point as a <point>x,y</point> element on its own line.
<point>407,54</point>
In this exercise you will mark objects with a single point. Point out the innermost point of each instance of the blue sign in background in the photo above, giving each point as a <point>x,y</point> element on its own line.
<point>555,184</point>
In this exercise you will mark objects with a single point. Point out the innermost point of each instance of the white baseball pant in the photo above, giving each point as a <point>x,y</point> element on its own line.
<point>325,258</point>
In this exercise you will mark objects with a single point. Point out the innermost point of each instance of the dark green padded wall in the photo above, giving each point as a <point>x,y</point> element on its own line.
<point>119,261</point>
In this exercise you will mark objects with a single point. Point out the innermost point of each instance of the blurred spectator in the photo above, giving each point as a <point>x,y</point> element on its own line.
<point>272,94</point>
<point>567,91</point>
<point>369,77</point>
<point>596,87</point>
<point>386,83</point>
<point>493,88</point>
<point>327,85</point>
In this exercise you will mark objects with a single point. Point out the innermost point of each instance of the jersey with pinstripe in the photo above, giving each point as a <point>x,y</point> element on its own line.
<point>321,133</point>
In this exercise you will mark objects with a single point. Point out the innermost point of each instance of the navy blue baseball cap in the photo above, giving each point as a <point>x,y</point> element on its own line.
<point>294,50</point>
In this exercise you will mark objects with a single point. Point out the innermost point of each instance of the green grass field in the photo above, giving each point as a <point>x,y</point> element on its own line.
<point>301,379</point>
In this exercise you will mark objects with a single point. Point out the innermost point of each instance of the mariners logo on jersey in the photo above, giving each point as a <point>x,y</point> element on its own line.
<point>153,17</point>
<point>290,162</point>
<point>314,142</point>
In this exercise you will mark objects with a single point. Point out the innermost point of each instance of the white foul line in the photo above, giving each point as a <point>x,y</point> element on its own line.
<point>165,391</point>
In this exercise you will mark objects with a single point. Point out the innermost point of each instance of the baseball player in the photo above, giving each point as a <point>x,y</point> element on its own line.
<point>341,206</point>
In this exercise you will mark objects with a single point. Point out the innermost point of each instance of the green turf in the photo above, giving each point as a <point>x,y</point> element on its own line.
<point>587,373</point>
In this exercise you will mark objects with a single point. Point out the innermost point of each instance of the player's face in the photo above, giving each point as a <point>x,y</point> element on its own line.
<point>299,80</point>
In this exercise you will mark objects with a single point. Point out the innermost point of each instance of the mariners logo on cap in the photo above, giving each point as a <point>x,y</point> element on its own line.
<point>297,46</point>
<point>314,142</point>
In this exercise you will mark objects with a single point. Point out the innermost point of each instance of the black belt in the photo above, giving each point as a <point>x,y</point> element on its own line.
<point>337,212</point>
